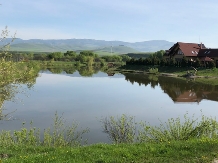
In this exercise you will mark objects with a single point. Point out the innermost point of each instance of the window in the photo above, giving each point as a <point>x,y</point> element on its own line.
<point>179,52</point>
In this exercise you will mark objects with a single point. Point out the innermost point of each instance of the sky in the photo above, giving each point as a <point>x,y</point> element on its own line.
<point>121,20</point>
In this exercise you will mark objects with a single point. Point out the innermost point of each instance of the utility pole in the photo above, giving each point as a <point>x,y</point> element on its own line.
<point>111,49</point>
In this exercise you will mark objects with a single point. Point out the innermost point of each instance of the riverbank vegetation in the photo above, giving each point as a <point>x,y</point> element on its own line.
<point>179,71</point>
<point>191,140</point>
<point>151,62</point>
<point>82,57</point>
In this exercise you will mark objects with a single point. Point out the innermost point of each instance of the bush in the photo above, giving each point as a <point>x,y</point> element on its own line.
<point>60,135</point>
<point>174,129</point>
<point>153,70</point>
<point>121,129</point>
<point>212,64</point>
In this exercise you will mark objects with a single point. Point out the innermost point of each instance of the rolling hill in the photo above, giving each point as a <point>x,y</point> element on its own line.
<point>99,46</point>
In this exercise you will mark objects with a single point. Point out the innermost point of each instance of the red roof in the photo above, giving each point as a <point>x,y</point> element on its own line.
<point>190,49</point>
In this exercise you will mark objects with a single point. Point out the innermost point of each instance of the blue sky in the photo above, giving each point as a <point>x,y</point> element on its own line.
<point>124,20</point>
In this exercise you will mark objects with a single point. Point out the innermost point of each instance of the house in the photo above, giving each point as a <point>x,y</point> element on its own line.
<point>192,51</point>
<point>209,54</point>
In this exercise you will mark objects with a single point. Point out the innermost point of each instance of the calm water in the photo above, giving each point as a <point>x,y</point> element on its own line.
<point>89,99</point>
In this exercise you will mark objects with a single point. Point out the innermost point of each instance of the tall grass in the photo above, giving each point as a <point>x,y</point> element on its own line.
<point>123,129</point>
<point>175,129</point>
<point>59,135</point>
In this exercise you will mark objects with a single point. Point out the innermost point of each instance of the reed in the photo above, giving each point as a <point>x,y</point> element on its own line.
<point>59,135</point>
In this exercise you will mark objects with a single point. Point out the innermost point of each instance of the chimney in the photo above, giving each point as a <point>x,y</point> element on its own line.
<point>201,46</point>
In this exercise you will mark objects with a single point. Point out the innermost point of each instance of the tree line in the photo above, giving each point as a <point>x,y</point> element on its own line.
<point>69,56</point>
<point>184,62</point>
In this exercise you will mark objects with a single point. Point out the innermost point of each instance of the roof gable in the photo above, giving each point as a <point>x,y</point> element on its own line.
<point>190,49</point>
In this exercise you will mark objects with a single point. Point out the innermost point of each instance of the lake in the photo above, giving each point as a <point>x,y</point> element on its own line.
<point>87,100</point>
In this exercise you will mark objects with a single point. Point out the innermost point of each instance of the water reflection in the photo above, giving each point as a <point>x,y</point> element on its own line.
<point>86,71</point>
<point>110,74</point>
<point>87,99</point>
<point>9,90</point>
<point>179,90</point>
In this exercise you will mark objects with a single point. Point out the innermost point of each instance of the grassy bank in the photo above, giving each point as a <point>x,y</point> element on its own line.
<point>174,70</point>
<point>196,151</point>
<point>192,141</point>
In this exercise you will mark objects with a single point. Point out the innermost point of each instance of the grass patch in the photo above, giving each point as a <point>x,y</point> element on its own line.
<point>193,151</point>
<point>59,135</point>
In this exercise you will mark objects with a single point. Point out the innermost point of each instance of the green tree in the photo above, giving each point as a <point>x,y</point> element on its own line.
<point>87,53</point>
<point>211,64</point>
<point>81,58</point>
<point>163,62</point>
<point>197,63</point>
<point>30,56</point>
<point>125,58</point>
<point>70,53</point>
<point>172,62</point>
<point>159,54</point>
<point>184,62</point>
<point>113,58</point>
<point>56,56</point>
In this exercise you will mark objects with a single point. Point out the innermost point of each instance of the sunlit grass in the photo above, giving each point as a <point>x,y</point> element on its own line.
<point>202,151</point>
<point>201,146</point>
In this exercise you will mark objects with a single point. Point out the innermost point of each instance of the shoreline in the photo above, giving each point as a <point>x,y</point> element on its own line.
<point>177,73</point>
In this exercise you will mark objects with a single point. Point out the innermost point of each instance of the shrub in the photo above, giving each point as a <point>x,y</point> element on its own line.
<point>121,129</point>
<point>153,70</point>
<point>174,129</point>
<point>60,135</point>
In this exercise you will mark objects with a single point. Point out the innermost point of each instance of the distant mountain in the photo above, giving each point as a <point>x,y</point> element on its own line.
<point>120,47</point>
<point>115,50</point>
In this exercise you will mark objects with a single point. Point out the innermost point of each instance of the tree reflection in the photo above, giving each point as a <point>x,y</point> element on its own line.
<point>70,71</point>
<point>88,71</point>
<point>56,70</point>
<point>12,76</point>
